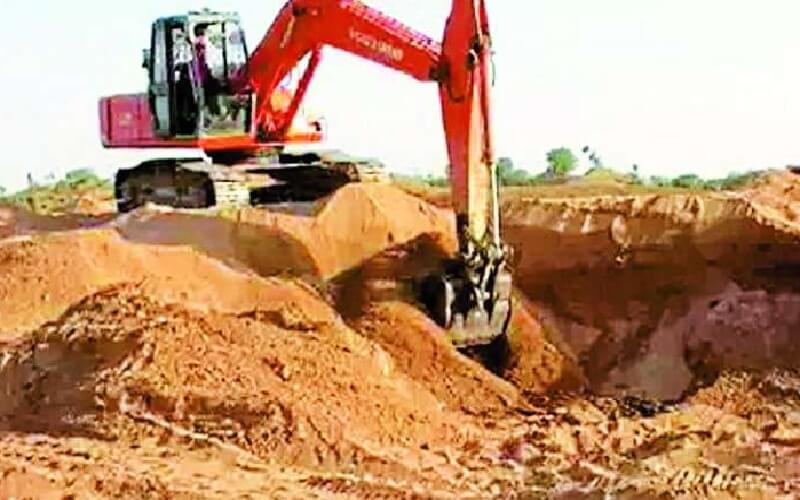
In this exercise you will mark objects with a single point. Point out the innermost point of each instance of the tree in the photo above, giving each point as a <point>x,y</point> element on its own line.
<point>635,175</point>
<point>561,162</point>
<point>596,161</point>
<point>660,181</point>
<point>736,180</point>
<point>688,181</point>
<point>83,178</point>
<point>2,191</point>
<point>505,167</point>
<point>508,175</point>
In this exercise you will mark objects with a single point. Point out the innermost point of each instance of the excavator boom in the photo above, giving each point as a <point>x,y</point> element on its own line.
<point>459,65</point>
<point>303,27</point>
<point>472,296</point>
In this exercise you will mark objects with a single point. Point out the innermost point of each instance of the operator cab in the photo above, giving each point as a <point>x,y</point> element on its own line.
<point>191,63</point>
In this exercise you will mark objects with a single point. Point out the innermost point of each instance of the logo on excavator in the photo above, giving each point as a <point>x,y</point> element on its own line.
<point>375,45</point>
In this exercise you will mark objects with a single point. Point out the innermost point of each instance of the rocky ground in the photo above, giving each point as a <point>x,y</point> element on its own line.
<point>276,353</point>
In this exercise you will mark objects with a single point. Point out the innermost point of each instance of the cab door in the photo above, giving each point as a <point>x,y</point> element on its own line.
<point>225,114</point>
<point>161,88</point>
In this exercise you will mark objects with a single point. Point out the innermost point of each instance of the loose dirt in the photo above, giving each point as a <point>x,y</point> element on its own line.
<point>422,352</point>
<point>283,375</point>
<point>270,354</point>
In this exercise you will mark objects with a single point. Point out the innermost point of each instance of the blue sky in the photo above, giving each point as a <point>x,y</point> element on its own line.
<point>705,87</point>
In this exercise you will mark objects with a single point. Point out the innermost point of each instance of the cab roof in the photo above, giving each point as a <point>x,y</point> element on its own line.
<point>203,16</point>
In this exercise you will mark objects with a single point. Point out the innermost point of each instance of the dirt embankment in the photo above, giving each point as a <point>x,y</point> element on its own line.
<point>653,294</point>
<point>275,372</point>
<point>650,294</point>
<point>16,221</point>
<point>354,224</point>
<point>777,196</point>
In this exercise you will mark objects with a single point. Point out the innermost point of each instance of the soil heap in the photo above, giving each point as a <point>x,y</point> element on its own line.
<point>43,276</point>
<point>115,340</point>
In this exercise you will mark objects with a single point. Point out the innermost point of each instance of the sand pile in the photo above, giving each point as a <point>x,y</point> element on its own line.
<point>265,250</point>
<point>352,225</point>
<point>372,241</point>
<point>125,341</point>
<point>421,351</point>
<point>42,277</point>
<point>272,382</point>
<point>653,293</point>
<point>532,364</point>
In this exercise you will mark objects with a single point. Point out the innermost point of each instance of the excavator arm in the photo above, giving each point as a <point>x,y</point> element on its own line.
<point>471,296</point>
<point>303,27</point>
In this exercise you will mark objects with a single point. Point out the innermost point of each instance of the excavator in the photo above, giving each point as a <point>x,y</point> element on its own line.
<point>208,92</point>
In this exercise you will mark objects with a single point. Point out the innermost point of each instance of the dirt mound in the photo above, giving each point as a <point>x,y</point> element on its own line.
<point>352,225</point>
<point>532,364</point>
<point>537,362</point>
<point>652,293</point>
<point>377,216</point>
<point>15,221</point>
<point>105,339</point>
<point>42,277</point>
<point>271,381</point>
<point>421,350</point>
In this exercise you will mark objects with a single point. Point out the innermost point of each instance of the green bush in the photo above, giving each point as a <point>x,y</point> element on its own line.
<point>438,182</point>
<point>688,181</point>
<point>659,181</point>
<point>737,180</point>
<point>605,174</point>
<point>83,179</point>
<point>57,195</point>
<point>561,162</point>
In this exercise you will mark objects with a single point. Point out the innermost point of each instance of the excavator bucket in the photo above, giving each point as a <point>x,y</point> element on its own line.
<point>471,298</point>
<point>472,313</point>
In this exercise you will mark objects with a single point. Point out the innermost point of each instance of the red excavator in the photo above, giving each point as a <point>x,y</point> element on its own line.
<point>207,92</point>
